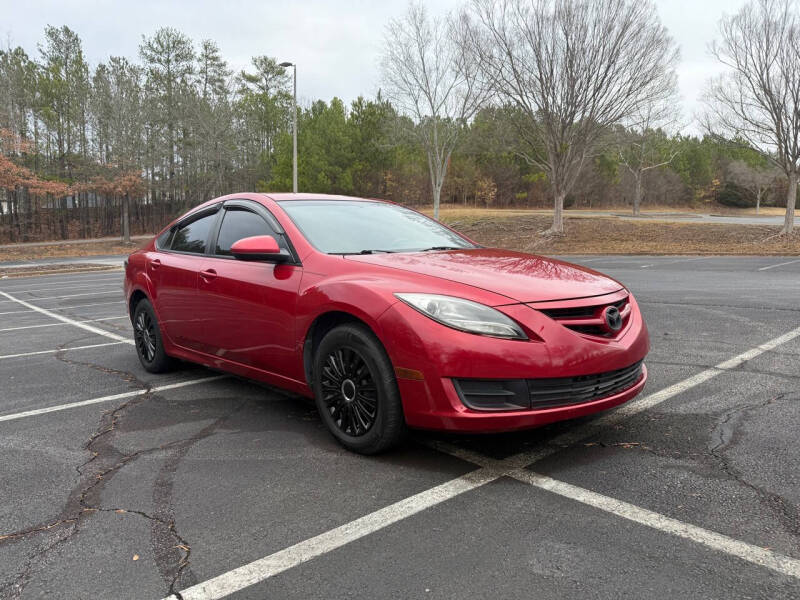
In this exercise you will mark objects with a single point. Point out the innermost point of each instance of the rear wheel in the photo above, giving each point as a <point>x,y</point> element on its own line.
<point>356,392</point>
<point>149,343</point>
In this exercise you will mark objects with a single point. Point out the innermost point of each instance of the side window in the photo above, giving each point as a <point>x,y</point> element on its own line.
<point>238,224</point>
<point>164,239</point>
<point>193,237</point>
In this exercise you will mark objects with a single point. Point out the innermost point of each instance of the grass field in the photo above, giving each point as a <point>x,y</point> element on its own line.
<point>522,230</point>
<point>60,250</point>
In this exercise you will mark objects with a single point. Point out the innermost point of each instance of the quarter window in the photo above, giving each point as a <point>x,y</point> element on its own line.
<point>163,240</point>
<point>193,236</point>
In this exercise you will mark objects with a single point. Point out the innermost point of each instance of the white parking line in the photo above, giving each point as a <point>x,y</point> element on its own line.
<point>37,352</point>
<point>111,276</point>
<point>783,264</point>
<point>290,557</point>
<point>264,568</point>
<point>62,324</point>
<point>716,541</point>
<point>671,262</point>
<point>118,293</point>
<point>15,312</point>
<point>64,319</point>
<point>60,407</point>
<point>116,284</point>
<point>27,310</point>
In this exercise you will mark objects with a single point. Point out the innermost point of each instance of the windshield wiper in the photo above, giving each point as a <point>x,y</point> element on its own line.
<point>365,252</point>
<point>440,248</point>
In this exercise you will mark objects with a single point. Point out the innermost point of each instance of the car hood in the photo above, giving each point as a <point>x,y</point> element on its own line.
<point>518,276</point>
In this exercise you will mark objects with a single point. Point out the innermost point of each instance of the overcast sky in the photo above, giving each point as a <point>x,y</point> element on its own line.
<point>336,43</point>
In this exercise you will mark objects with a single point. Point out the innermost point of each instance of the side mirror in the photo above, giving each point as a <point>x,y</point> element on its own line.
<point>259,247</point>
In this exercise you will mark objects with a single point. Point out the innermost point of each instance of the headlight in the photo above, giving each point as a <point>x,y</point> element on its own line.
<point>464,315</point>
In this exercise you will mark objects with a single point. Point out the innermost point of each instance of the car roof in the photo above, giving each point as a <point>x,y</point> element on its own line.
<point>285,196</point>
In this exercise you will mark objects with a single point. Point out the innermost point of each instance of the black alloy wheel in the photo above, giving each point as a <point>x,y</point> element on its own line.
<point>148,340</point>
<point>356,391</point>
<point>144,332</point>
<point>349,391</point>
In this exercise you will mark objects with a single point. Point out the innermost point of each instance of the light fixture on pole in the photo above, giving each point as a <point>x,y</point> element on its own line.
<point>294,124</point>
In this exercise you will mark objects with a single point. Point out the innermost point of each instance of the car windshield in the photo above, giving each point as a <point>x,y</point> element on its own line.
<point>363,227</point>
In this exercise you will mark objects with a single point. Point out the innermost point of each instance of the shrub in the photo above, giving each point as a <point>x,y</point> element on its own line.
<point>732,195</point>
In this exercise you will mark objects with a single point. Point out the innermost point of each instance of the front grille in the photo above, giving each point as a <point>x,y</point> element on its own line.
<point>522,394</point>
<point>588,320</point>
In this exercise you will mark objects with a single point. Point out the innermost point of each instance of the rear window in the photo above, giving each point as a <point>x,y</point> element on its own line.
<point>193,236</point>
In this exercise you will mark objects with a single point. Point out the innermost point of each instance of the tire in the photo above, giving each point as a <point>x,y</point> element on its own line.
<point>356,391</point>
<point>149,343</point>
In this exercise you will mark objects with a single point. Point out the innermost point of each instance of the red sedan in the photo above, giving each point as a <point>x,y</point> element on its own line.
<point>386,317</point>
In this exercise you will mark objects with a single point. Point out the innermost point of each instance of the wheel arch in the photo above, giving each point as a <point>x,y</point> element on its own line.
<point>136,296</point>
<point>321,325</point>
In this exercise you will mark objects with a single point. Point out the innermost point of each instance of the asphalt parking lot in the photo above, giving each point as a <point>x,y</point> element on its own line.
<point>115,483</point>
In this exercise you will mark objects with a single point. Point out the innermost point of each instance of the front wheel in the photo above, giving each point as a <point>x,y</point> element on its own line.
<point>149,344</point>
<point>356,392</point>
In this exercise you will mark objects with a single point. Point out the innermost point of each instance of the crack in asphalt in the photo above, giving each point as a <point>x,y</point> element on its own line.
<point>20,579</point>
<point>171,550</point>
<point>725,435</point>
<point>162,498</point>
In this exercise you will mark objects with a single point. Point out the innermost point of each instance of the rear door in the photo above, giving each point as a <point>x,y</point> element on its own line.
<point>248,310</point>
<point>175,270</point>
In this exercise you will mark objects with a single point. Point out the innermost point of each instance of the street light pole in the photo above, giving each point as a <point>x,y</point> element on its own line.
<point>294,124</point>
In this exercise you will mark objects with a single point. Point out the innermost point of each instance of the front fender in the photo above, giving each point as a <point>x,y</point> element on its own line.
<point>355,297</point>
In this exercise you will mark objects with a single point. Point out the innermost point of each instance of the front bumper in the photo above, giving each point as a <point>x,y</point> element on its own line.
<point>416,343</point>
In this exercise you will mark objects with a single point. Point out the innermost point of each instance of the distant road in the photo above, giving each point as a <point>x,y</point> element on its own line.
<point>684,217</point>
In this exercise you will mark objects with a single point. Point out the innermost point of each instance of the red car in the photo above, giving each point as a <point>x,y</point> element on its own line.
<point>386,317</point>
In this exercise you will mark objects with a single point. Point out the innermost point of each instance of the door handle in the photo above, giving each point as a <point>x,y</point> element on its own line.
<point>208,274</point>
<point>155,263</point>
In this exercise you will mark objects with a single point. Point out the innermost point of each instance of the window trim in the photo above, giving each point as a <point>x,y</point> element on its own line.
<point>265,214</point>
<point>188,220</point>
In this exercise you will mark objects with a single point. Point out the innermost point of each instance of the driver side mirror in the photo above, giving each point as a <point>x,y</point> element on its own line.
<point>259,247</point>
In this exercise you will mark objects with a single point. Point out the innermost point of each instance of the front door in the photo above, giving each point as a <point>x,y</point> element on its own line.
<point>248,308</point>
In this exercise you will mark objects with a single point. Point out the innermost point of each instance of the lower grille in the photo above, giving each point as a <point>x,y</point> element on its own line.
<point>582,388</point>
<point>549,392</point>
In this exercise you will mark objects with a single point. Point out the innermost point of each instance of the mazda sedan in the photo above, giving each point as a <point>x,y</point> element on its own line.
<point>387,318</point>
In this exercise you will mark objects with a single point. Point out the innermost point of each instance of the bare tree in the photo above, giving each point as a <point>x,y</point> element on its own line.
<point>758,99</point>
<point>433,82</point>
<point>755,180</point>
<point>647,144</point>
<point>573,68</point>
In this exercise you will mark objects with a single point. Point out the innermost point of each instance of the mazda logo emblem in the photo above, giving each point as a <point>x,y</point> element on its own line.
<point>613,318</point>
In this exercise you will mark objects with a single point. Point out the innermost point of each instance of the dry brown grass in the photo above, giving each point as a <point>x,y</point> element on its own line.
<point>615,236</point>
<point>56,250</point>
<point>454,210</point>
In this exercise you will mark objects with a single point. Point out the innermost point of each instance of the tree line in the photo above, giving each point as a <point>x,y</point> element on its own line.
<point>499,104</point>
